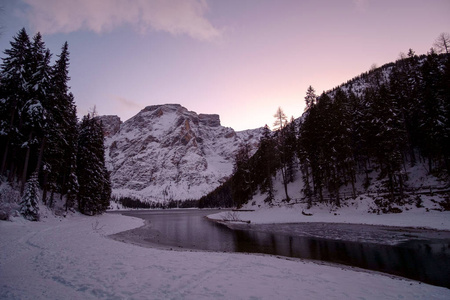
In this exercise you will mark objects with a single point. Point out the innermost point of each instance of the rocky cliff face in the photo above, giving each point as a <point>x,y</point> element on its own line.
<point>167,152</point>
<point>111,125</point>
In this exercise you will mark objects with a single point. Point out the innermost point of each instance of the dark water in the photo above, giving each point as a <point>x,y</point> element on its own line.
<point>422,255</point>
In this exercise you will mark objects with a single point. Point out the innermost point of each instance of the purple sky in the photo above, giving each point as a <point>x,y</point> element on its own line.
<point>241,59</point>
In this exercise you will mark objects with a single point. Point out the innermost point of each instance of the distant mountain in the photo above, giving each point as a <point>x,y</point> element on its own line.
<point>166,152</point>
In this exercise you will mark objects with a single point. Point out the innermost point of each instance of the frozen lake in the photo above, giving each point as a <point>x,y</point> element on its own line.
<point>418,254</point>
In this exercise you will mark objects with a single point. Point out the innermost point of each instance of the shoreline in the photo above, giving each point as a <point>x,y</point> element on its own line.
<point>379,236</point>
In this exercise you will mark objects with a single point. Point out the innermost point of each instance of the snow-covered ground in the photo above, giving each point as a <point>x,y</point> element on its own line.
<point>72,258</point>
<point>355,213</point>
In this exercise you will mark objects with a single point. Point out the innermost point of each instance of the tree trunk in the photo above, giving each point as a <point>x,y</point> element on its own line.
<point>25,167</point>
<point>5,156</point>
<point>41,154</point>
<point>44,188</point>
<point>283,175</point>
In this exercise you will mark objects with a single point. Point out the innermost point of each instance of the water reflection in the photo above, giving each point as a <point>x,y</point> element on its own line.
<point>427,260</point>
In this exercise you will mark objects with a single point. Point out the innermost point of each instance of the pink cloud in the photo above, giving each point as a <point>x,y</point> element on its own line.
<point>126,103</point>
<point>173,16</point>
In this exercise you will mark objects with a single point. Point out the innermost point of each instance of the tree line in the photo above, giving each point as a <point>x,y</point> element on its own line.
<point>382,120</point>
<point>41,140</point>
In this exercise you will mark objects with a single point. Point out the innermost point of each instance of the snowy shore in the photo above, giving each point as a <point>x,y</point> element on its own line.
<point>73,258</point>
<point>418,217</point>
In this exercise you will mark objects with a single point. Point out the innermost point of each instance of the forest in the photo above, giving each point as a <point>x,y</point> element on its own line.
<point>43,146</point>
<point>382,120</point>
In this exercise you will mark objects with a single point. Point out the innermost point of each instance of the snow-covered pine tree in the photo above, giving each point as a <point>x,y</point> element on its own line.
<point>70,180</point>
<point>94,186</point>
<point>29,203</point>
<point>14,93</point>
<point>340,155</point>
<point>389,139</point>
<point>432,116</point>
<point>60,157</point>
<point>34,115</point>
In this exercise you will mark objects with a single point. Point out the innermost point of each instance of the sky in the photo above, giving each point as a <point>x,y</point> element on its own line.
<point>241,59</point>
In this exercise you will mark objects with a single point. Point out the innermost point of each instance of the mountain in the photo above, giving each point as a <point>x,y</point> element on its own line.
<point>167,152</point>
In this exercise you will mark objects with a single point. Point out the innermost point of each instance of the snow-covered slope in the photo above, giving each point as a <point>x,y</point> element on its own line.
<point>166,152</point>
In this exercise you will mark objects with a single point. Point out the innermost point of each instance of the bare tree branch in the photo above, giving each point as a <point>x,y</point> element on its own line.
<point>442,43</point>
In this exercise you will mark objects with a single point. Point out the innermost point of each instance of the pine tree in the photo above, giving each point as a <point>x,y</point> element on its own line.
<point>323,131</point>
<point>432,119</point>
<point>291,149</point>
<point>242,180</point>
<point>280,125</point>
<point>307,144</point>
<point>34,113</point>
<point>389,139</point>
<point>310,154</point>
<point>310,98</point>
<point>446,110</point>
<point>267,163</point>
<point>29,203</point>
<point>69,177</point>
<point>60,175</point>
<point>14,93</point>
<point>93,178</point>
<point>341,164</point>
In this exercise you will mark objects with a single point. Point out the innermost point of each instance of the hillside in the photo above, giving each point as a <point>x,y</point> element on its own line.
<point>382,138</point>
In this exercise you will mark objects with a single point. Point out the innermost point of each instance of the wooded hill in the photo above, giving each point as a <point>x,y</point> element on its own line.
<point>383,121</point>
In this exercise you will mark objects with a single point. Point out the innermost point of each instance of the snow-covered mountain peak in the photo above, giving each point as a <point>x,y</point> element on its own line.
<point>168,152</point>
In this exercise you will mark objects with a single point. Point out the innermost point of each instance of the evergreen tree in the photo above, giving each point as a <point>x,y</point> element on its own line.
<point>93,178</point>
<point>389,139</point>
<point>291,149</point>
<point>309,153</point>
<point>432,118</point>
<point>279,125</point>
<point>29,203</point>
<point>34,113</point>
<point>446,111</point>
<point>243,177</point>
<point>60,157</point>
<point>403,89</point>
<point>310,98</point>
<point>341,161</point>
<point>267,163</point>
<point>323,131</point>
<point>69,176</point>
<point>14,93</point>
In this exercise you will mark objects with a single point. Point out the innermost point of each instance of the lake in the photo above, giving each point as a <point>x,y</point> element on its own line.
<point>417,254</point>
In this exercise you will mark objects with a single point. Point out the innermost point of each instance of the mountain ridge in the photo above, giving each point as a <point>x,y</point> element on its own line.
<point>166,152</point>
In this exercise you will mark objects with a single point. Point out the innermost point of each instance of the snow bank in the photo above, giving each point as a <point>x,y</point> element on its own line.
<point>423,217</point>
<point>72,258</point>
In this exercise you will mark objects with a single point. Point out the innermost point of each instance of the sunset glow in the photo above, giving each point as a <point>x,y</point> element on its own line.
<point>239,59</point>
